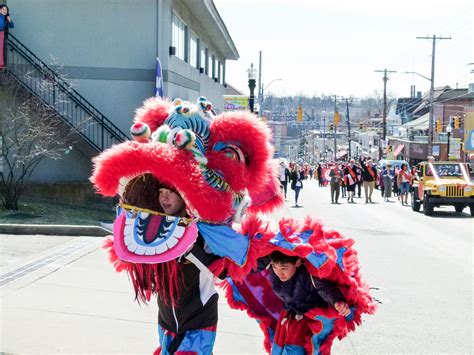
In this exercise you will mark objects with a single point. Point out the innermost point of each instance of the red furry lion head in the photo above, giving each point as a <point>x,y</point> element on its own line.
<point>216,163</point>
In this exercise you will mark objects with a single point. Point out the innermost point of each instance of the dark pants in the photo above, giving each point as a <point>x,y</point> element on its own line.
<point>284,186</point>
<point>334,191</point>
<point>297,194</point>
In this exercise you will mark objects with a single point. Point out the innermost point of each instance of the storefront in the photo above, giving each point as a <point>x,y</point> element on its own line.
<point>418,152</point>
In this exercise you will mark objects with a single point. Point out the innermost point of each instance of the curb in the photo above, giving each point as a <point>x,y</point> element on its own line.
<point>51,229</point>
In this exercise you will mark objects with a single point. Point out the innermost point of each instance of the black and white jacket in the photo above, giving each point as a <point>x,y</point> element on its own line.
<point>196,303</point>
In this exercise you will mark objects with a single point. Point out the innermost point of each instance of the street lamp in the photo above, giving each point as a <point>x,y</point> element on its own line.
<point>252,75</point>
<point>324,131</point>
<point>262,96</point>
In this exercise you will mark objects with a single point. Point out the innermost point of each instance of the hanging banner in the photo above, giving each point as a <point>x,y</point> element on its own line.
<point>455,149</point>
<point>236,102</point>
<point>159,79</point>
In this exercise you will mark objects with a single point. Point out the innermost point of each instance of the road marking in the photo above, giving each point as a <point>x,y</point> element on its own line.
<point>42,262</point>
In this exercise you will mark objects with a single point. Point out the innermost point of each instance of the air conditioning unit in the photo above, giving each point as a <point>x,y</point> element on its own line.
<point>172,50</point>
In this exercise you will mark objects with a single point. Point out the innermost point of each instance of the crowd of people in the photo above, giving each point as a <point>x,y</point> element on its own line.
<point>346,180</point>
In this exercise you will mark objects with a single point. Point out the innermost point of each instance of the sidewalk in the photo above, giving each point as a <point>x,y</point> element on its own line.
<point>69,299</point>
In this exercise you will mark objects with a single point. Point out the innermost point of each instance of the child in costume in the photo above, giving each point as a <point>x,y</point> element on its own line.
<point>302,303</point>
<point>182,181</point>
<point>190,322</point>
<point>300,292</point>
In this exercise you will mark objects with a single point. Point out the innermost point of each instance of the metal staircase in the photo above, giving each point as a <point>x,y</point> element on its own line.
<point>54,91</point>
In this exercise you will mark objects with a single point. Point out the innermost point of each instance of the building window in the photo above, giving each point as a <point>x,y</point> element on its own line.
<point>210,64</point>
<point>223,73</point>
<point>220,75</point>
<point>179,37</point>
<point>193,49</point>
<point>203,58</point>
<point>215,68</point>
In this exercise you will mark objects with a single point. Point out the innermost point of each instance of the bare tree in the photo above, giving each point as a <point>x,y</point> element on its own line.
<point>373,104</point>
<point>30,132</point>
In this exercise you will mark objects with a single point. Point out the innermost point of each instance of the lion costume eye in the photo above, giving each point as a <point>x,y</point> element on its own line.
<point>231,154</point>
<point>232,151</point>
<point>235,153</point>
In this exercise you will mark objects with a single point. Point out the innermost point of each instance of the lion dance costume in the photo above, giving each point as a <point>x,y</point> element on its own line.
<point>221,166</point>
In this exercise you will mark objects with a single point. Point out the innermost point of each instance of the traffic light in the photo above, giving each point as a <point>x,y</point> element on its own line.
<point>438,128</point>
<point>300,113</point>
<point>331,126</point>
<point>337,118</point>
<point>456,122</point>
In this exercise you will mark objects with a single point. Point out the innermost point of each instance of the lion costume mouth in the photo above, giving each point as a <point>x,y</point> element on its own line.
<point>144,237</point>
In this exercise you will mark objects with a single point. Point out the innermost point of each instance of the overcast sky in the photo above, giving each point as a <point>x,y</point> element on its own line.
<point>333,47</point>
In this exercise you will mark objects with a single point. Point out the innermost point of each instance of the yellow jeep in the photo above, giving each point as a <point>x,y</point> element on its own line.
<point>442,184</point>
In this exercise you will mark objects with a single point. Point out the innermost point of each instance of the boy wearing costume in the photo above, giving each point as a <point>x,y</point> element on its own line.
<point>300,292</point>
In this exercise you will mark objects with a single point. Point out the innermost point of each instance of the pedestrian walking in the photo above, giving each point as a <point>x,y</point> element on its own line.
<point>343,182</point>
<point>404,179</point>
<point>5,24</point>
<point>369,175</point>
<point>336,175</point>
<point>380,182</point>
<point>360,180</point>
<point>387,176</point>
<point>296,178</point>
<point>284,177</point>
<point>351,174</point>
<point>319,171</point>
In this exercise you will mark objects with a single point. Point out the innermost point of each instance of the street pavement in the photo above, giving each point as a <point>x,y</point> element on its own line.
<point>59,294</point>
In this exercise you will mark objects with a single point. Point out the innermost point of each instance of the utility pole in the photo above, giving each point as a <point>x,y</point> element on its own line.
<point>348,128</point>
<point>431,120</point>
<point>335,127</point>
<point>385,79</point>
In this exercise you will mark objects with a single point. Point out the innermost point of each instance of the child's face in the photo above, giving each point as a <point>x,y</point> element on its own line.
<point>285,271</point>
<point>171,203</point>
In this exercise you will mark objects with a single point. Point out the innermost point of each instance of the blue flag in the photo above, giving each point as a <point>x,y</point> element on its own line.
<point>159,79</point>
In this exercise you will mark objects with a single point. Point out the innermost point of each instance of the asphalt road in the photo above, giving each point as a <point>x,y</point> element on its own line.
<point>60,294</point>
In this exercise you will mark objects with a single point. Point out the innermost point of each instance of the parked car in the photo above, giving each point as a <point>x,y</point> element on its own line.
<point>442,184</point>
<point>393,163</point>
